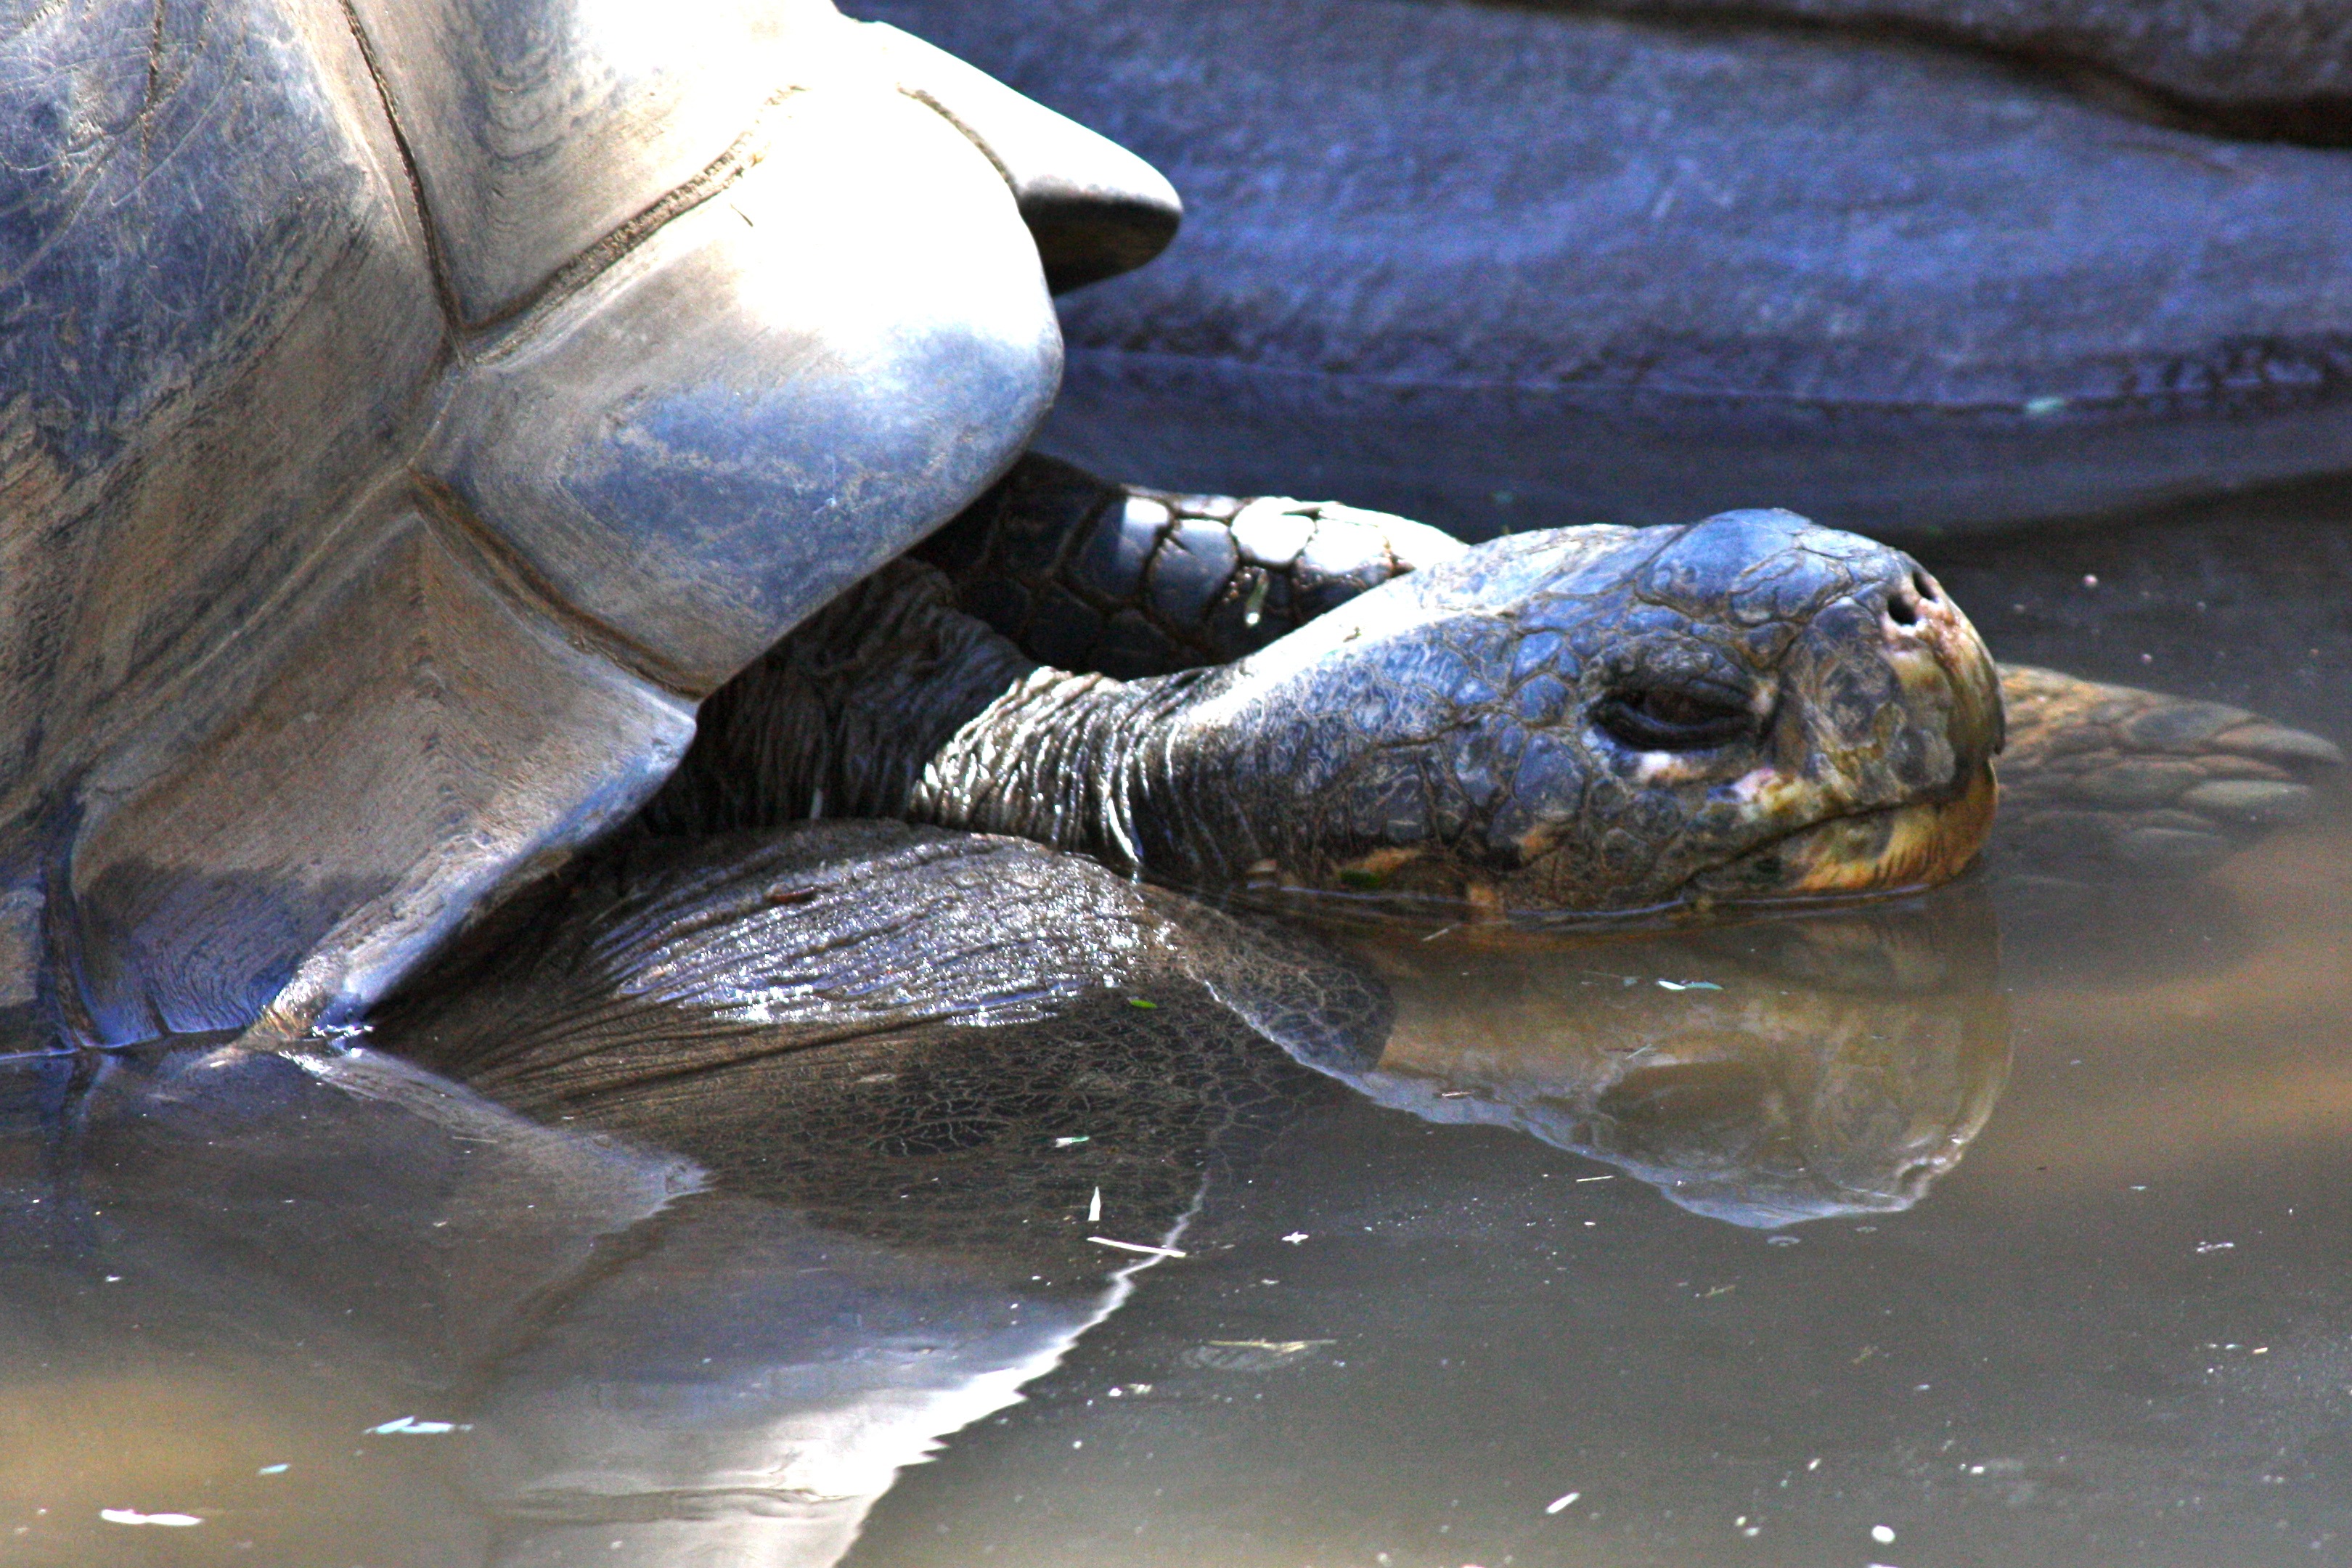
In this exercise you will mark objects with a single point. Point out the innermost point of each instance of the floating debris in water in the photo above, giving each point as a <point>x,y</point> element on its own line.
<point>1295,1238</point>
<point>273,1469</point>
<point>1066,1142</point>
<point>2205,1246</point>
<point>411,1426</point>
<point>1689,985</point>
<point>1252,1356</point>
<point>1783,1240</point>
<point>1561,1501</point>
<point>132,1516</point>
<point>1136,1246</point>
<point>1094,1208</point>
<point>1139,1001</point>
<point>1883,1533</point>
<point>1581,1180</point>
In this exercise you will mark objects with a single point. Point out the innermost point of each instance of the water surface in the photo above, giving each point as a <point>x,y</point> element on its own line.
<point>2007,1226</point>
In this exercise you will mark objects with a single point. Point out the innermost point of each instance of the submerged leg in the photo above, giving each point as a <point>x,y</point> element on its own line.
<point>885,1026</point>
<point>2158,783</point>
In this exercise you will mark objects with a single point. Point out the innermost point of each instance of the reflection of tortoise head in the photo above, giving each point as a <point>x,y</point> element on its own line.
<point>1835,1065</point>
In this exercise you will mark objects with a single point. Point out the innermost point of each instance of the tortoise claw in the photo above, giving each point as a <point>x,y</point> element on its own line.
<point>2277,743</point>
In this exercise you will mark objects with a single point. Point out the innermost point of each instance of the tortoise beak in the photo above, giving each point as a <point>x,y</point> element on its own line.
<point>1944,668</point>
<point>1946,678</point>
<point>1903,848</point>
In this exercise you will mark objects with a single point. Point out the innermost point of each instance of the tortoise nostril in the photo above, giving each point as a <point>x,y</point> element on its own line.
<point>1909,595</point>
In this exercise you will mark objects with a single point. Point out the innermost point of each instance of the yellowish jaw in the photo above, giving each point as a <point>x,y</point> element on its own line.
<point>1901,848</point>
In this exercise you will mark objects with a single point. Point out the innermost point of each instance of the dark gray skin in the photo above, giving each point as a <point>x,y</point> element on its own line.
<point>1902,288</point>
<point>1089,575</point>
<point>1599,720</point>
<point>1196,771</point>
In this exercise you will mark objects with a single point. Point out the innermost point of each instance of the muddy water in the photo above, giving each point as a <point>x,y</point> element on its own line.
<point>1994,1228</point>
<point>2118,1331</point>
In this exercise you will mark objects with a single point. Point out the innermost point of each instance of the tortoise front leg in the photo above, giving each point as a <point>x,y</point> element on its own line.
<point>1084,574</point>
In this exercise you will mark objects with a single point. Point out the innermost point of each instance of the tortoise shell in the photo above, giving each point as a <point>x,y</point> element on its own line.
<point>409,412</point>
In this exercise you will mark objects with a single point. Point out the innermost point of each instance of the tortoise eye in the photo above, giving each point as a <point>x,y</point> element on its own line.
<point>1672,719</point>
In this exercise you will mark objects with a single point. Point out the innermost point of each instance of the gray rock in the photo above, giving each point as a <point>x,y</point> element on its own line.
<point>2252,55</point>
<point>1499,268</point>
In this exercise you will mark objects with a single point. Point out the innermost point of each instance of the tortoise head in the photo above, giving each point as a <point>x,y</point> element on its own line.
<point>1613,719</point>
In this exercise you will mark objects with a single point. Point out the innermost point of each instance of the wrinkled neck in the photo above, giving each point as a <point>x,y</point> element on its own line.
<point>891,702</point>
<point>840,717</point>
<point>1089,763</point>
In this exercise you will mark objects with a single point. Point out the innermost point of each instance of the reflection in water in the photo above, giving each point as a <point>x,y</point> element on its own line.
<point>720,1191</point>
<point>749,1232</point>
<point>1767,1074</point>
<point>340,1310</point>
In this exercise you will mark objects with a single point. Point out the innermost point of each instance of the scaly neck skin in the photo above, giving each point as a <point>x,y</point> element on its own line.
<point>1087,762</point>
<point>891,702</point>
